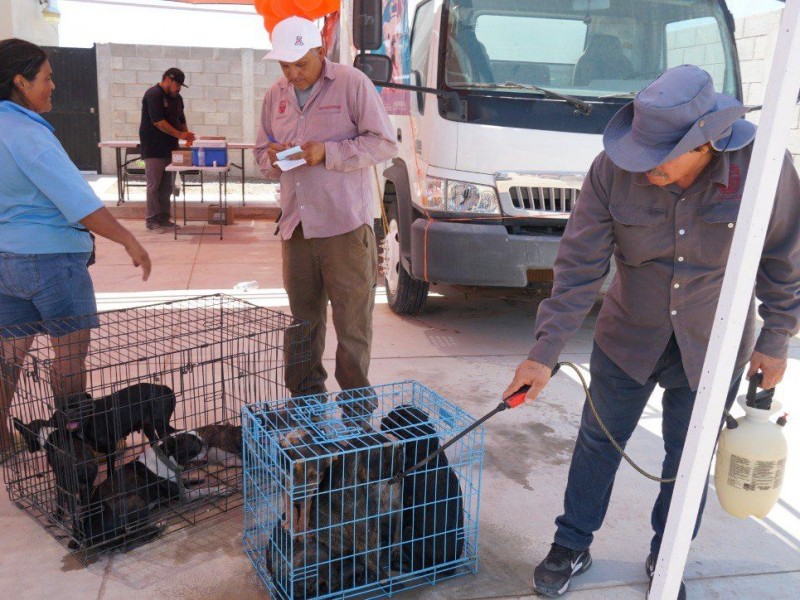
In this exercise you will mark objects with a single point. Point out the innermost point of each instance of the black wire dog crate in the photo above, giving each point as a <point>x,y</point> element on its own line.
<point>328,512</point>
<point>142,436</point>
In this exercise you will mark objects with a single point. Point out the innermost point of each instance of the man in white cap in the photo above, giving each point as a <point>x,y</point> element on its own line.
<point>663,198</point>
<point>334,114</point>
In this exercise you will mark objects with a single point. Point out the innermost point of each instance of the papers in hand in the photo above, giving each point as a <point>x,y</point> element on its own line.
<point>284,163</point>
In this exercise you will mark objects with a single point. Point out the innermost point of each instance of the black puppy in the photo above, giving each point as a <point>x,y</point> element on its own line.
<point>72,461</point>
<point>433,513</point>
<point>349,511</point>
<point>102,423</point>
<point>121,504</point>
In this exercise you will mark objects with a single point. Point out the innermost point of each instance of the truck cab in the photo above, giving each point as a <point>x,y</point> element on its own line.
<point>499,108</point>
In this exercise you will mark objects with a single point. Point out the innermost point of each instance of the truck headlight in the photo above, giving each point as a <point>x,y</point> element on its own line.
<point>460,197</point>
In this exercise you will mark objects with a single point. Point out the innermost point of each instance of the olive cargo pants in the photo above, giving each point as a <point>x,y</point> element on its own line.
<point>342,269</point>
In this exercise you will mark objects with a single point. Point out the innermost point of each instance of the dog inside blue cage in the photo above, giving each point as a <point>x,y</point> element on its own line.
<point>330,511</point>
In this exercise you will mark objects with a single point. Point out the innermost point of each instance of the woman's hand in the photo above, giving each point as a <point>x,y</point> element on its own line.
<point>139,257</point>
<point>103,223</point>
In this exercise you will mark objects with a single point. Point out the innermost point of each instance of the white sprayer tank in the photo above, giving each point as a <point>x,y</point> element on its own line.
<point>751,459</point>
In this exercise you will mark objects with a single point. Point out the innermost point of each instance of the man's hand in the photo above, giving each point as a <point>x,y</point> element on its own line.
<point>313,152</point>
<point>186,135</point>
<point>272,151</point>
<point>772,368</point>
<point>532,373</point>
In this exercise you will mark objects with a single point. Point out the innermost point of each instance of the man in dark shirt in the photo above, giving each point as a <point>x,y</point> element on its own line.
<point>163,124</point>
<point>663,198</point>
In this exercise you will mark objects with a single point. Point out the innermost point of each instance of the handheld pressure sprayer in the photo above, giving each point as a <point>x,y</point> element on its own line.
<point>751,456</point>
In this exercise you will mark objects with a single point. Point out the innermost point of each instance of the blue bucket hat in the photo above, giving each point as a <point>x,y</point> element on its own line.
<point>675,114</point>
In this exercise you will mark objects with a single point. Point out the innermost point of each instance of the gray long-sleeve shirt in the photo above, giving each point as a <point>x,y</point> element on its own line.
<point>345,112</point>
<point>671,247</point>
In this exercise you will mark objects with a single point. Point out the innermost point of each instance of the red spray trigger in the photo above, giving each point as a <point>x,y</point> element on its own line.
<point>517,398</point>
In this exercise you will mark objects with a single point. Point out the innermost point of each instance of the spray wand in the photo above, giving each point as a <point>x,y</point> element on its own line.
<point>511,401</point>
<point>518,398</point>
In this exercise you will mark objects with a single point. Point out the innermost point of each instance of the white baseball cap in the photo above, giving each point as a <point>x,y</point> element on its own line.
<point>292,38</point>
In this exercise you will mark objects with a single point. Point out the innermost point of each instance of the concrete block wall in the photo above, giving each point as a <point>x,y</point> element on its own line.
<point>756,37</point>
<point>699,46</point>
<point>223,97</point>
<point>24,19</point>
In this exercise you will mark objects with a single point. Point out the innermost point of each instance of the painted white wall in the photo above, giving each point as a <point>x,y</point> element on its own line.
<point>23,19</point>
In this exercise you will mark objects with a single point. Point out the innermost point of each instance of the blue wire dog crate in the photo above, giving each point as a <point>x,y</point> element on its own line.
<point>326,513</point>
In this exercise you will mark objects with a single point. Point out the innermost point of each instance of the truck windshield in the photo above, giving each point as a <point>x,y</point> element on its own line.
<point>597,50</point>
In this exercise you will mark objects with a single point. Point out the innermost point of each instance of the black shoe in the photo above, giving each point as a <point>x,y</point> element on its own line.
<point>552,576</point>
<point>650,567</point>
<point>156,227</point>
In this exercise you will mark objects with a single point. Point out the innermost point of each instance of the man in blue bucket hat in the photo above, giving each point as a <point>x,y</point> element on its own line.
<point>663,198</point>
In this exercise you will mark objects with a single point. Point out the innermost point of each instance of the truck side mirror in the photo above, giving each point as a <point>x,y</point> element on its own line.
<point>367,22</point>
<point>375,66</point>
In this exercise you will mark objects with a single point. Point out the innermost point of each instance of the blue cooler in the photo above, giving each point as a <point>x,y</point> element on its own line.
<point>216,151</point>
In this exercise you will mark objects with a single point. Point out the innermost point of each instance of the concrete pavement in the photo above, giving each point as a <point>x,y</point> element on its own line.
<point>464,346</point>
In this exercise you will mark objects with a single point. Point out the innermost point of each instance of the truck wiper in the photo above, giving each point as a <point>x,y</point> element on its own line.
<point>583,107</point>
<point>618,95</point>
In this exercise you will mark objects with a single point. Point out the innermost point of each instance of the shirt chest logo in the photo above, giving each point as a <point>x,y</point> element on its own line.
<point>282,107</point>
<point>733,190</point>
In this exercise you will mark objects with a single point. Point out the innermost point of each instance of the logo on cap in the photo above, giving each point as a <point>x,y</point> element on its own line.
<point>298,41</point>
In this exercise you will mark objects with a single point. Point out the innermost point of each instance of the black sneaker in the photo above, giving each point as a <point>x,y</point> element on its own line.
<point>156,227</point>
<point>650,567</point>
<point>552,576</point>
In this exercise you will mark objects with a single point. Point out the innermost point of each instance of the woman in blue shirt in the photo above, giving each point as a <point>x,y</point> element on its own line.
<point>46,208</point>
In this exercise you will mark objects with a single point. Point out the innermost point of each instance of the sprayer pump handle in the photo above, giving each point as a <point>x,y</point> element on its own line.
<point>758,399</point>
<point>752,388</point>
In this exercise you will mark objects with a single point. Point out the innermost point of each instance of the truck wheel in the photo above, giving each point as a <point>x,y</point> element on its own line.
<point>405,294</point>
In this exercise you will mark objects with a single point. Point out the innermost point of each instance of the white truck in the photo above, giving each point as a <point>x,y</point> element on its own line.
<point>499,107</point>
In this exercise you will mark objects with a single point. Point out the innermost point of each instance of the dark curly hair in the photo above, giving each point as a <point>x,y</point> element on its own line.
<point>18,57</point>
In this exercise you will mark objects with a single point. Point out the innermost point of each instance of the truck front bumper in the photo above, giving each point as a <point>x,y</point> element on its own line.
<point>473,254</point>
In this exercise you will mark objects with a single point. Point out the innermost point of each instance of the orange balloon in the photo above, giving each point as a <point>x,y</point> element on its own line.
<point>275,11</point>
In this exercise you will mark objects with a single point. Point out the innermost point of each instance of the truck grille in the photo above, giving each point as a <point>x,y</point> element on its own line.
<point>548,199</point>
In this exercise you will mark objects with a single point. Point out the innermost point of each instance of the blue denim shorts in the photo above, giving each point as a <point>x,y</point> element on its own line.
<point>45,293</point>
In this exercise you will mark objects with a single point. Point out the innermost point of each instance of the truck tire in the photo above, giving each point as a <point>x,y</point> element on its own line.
<point>406,295</point>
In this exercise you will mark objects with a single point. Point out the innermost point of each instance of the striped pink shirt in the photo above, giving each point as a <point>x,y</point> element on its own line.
<point>346,113</point>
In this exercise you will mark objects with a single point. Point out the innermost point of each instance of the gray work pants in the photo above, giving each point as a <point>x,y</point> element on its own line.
<point>159,189</point>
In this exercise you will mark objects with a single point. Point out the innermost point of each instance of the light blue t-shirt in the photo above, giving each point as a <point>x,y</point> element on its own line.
<point>42,193</point>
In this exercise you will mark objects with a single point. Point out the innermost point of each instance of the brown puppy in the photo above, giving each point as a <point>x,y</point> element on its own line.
<point>224,444</point>
<point>354,508</point>
<point>303,463</point>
